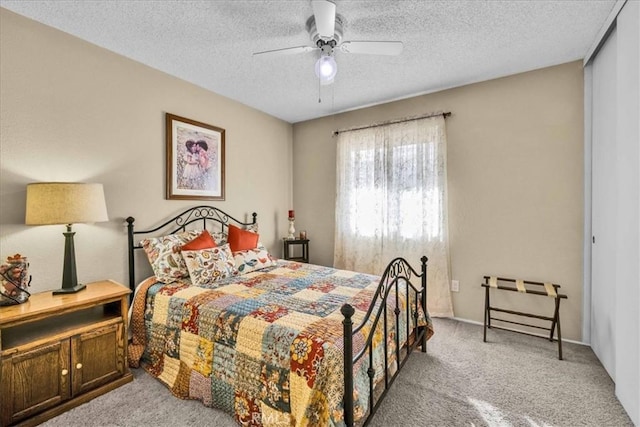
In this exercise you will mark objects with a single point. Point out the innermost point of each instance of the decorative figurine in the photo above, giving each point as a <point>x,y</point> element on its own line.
<point>14,280</point>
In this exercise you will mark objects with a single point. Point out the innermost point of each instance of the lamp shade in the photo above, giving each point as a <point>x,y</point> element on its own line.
<point>65,203</point>
<point>326,69</point>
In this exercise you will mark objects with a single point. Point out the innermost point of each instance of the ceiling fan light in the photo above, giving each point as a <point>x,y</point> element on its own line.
<point>326,69</point>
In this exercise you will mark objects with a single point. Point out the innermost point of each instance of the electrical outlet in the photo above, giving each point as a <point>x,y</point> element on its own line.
<point>455,286</point>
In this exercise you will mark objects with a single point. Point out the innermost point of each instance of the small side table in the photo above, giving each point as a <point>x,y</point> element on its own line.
<point>60,351</point>
<point>305,249</point>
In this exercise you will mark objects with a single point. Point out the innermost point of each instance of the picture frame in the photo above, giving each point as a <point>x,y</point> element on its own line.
<point>195,160</point>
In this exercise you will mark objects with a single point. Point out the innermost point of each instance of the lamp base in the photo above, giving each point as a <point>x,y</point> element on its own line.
<point>292,229</point>
<point>71,290</point>
<point>70,283</point>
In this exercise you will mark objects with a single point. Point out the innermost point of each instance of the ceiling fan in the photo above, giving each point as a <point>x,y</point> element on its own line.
<point>325,29</point>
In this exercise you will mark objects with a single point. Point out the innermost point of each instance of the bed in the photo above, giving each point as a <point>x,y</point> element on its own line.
<point>274,342</point>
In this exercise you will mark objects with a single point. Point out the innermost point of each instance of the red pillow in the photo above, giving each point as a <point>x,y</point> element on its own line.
<point>241,240</point>
<point>203,241</point>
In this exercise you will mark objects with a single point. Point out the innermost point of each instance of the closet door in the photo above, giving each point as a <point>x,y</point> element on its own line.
<point>628,221</point>
<point>604,205</point>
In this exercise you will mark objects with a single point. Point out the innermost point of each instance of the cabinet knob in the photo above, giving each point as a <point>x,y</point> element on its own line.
<point>64,372</point>
<point>79,366</point>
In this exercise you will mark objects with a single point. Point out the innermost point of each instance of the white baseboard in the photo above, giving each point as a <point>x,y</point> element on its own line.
<point>515,330</point>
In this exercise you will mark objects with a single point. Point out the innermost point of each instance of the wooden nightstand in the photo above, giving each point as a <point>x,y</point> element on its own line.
<point>58,351</point>
<point>304,243</point>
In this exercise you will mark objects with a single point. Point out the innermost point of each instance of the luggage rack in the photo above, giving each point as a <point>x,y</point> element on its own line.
<point>550,290</point>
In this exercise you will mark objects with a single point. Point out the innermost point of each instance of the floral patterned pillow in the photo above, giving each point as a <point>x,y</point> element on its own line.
<point>210,265</point>
<point>164,255</point>
<point>220,237</point>
<point>253,259</point>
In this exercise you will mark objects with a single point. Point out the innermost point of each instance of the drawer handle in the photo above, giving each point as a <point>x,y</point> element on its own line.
<point>64,372</point>
<point>79,366</point>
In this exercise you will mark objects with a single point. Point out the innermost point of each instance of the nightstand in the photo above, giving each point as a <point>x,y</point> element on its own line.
<point>59,351</point>
<point>288,253</point>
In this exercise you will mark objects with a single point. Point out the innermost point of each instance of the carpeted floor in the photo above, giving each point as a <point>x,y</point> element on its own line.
<point>512,380</point>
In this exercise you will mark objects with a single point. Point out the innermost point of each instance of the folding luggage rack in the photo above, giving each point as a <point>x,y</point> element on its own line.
<point>550,290</point>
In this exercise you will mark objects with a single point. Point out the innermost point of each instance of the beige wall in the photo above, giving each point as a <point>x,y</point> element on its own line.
<point>71,111</point>
<point>515,168</point>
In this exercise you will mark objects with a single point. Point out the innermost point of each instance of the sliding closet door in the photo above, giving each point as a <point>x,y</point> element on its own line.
<point>604,202</point>
<point>615,255</point>
<point>628,221</point>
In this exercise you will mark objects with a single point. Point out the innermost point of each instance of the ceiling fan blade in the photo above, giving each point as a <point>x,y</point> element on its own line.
<point>285,51</point>
<point>325,16</point>
<point>373,47</point>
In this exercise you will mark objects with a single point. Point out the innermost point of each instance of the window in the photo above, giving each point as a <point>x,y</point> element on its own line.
<point>402,173</point>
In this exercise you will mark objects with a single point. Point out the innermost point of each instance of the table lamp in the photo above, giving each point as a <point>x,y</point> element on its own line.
<point>66,203</point>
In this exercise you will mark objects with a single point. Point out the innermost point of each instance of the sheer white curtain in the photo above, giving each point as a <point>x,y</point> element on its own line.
<point>392,201</point>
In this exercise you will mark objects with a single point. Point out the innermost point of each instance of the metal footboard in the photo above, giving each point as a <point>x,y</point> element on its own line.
<point>398,273</point>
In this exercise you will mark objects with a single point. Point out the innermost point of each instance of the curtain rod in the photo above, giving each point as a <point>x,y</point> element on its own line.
<point>390,122</point>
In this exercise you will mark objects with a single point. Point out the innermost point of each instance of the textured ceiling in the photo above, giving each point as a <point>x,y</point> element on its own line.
<point>446,44</point>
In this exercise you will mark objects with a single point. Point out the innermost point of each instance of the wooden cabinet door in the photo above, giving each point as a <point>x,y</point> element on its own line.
<point>97,357</point>
<point>34,381</point>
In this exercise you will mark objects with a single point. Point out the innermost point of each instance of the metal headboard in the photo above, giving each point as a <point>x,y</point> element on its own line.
<point>177,224</point>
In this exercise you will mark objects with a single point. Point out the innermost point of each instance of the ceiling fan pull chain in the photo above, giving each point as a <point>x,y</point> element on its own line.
<point>319,91</point>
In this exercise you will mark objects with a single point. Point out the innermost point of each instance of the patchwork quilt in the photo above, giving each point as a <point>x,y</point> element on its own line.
<point>266,346</point>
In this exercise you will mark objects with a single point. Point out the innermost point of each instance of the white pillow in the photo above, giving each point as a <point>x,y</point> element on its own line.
<point>253,259</point>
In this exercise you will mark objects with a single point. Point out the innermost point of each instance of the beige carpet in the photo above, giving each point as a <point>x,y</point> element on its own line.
<point>513,380</point>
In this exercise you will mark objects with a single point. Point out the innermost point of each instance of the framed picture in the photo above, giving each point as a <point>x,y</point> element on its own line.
<point>195,160</point>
